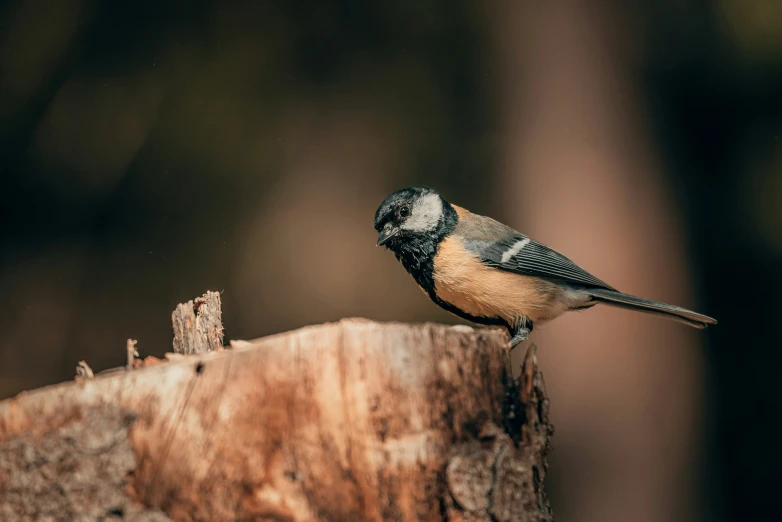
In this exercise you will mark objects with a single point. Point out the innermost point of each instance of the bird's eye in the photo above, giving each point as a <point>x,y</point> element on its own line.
<point>404,211</point>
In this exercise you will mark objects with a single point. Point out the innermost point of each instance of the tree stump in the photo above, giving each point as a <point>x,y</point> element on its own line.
<point>353,421</point>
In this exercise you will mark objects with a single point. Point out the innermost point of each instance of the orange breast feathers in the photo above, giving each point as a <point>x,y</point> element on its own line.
<point>462,280</point>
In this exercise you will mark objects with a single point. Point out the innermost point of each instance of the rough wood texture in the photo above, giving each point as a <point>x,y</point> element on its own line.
<point>198,325</point>
<point>354,421</point>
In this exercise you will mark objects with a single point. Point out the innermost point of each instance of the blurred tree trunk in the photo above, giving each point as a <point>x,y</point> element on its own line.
<point>342,422</point>
<point>580,173</point>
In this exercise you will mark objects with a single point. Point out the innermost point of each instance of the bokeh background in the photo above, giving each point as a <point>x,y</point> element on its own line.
<point>150,151</point>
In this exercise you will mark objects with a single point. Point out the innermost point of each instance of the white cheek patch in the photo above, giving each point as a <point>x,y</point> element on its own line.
<point>515,249</point>
<point>425,214</point>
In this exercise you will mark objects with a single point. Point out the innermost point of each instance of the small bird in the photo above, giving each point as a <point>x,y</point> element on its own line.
<point>485,272</point>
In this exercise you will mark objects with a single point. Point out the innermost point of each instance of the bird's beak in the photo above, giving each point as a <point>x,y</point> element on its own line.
<point>386,234</point>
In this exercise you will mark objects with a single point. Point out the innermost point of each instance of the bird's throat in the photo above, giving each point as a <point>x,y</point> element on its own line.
<point>417,256</point>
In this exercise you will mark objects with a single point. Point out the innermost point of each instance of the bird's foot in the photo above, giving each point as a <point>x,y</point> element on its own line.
<point>520,335</point>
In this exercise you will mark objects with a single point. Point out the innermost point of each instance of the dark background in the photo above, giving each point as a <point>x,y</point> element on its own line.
<point>150,151</point>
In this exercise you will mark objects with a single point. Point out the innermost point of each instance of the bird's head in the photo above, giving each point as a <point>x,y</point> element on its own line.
<point>410,214</point>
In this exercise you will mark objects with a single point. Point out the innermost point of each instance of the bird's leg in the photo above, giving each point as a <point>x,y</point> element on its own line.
<point>519,335</point>
<point>520,332</point>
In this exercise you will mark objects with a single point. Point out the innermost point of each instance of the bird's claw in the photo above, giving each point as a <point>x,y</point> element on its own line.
<point>521,335</point>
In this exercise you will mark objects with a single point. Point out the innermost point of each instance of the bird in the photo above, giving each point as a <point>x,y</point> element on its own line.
<point>488,273</point>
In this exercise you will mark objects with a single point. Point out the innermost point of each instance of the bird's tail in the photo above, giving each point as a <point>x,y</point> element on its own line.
<point>631,302</point>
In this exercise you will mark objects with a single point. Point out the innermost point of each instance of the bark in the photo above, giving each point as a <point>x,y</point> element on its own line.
<point>350,421</point>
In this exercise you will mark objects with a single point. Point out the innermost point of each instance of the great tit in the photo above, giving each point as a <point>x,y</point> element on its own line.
<point>487,273</point>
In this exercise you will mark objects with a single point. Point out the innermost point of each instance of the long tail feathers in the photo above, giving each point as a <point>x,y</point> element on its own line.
<point>631,302</point>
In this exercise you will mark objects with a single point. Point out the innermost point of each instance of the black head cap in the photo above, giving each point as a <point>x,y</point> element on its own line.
<point>399,204</point>
<point>411,214</point>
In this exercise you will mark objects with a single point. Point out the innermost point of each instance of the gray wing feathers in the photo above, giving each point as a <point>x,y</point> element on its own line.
<point>536,259</point>
<point>492,241</point>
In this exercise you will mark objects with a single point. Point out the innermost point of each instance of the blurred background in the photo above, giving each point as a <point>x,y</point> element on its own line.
<point>150,151</point>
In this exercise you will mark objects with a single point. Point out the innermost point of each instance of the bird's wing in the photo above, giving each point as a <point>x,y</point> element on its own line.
<point>522,255</point>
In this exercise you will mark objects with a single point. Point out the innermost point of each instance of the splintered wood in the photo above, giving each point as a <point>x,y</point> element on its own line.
<point>354,421</point>
<point>198,325</point>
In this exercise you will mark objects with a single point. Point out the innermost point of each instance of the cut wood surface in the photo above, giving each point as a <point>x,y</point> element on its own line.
<point>352,421</point>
